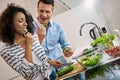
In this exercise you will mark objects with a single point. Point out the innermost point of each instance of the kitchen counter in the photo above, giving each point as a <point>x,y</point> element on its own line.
<point>78,68</point>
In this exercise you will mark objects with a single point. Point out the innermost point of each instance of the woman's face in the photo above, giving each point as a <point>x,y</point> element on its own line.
<point>19,22</point>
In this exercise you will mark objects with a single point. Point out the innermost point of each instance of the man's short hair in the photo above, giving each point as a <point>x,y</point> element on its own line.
<point>46,2</point>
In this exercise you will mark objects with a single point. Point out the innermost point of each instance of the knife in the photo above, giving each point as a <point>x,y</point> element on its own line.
<point>66,64</point>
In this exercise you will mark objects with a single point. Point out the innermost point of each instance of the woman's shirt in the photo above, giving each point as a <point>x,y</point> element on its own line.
<point>14,56</point>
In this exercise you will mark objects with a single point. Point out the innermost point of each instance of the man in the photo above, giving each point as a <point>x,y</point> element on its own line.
<point>51,33</point>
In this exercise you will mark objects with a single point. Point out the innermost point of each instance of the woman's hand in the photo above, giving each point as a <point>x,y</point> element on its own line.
<point>28,38</point>
<point>28,47</point>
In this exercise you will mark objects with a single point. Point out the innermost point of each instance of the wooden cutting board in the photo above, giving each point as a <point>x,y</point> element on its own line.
<point>76,70</point>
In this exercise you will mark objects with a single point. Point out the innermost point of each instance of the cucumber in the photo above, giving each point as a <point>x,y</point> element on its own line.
<point>45,25</point>
<point>87,51</point>
<point>67,49</point>
<point>26,30</point>
<point>64,71</point>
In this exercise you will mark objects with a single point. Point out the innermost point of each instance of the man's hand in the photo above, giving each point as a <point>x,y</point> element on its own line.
<point>55,63</point>
<point>67,52</point>
<point>41,33</point>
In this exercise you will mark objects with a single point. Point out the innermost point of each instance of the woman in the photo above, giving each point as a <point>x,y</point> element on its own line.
<point>22,49</point>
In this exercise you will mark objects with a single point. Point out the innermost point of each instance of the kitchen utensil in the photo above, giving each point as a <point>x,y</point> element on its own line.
<point>66,64</point>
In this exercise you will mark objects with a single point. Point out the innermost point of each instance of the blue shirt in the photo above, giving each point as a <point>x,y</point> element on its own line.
<point>55,36</point>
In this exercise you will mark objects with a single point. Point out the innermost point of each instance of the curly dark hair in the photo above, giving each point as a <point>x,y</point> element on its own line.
<point>7,30</point>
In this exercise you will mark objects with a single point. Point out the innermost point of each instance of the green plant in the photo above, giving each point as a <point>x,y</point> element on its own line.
<point>105,38</point>
<point>97,71</point>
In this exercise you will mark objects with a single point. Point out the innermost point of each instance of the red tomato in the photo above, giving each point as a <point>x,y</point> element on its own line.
<point>108,51</point>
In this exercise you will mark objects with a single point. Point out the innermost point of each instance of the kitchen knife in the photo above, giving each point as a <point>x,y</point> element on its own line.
<point>66,64</point>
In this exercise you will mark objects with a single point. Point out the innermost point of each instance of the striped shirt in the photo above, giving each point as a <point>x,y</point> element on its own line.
<point>14,56</point>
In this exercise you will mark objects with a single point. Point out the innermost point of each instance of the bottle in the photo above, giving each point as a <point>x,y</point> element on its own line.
<point>109,41</point>
<point>117,37</point>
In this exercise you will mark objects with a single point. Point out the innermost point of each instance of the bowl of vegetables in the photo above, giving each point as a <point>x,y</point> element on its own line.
<point>91,60</point>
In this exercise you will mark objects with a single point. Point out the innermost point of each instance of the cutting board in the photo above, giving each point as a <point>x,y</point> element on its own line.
<point>76,70</point>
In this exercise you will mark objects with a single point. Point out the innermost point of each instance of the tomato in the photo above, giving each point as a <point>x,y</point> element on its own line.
<point>108,51</point>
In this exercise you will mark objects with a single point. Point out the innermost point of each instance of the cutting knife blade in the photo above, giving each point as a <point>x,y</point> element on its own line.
<point>67,64</point>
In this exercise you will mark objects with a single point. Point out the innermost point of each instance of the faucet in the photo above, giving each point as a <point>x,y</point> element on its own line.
<point>92,31</point>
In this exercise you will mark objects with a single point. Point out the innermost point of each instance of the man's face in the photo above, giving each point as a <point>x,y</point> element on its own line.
<point>45,12</point>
